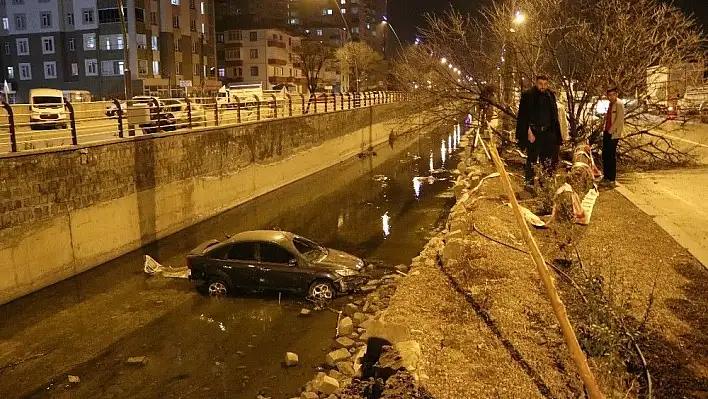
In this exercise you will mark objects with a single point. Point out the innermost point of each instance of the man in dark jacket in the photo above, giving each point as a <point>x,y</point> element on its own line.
<point>538,128</point>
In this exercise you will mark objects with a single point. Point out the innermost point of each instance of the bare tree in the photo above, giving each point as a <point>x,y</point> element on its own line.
<point>586,46</point>
<point>313,55</point>
<point>360,58</point>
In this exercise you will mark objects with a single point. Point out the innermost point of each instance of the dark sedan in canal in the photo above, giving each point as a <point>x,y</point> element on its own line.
<point>266,260</point>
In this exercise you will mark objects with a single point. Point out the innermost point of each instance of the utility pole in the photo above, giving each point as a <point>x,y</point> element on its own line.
<point>127,79</point>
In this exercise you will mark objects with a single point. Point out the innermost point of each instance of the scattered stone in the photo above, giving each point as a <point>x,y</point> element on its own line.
<point>359,318</point>
<point>359,344</point>
<point>74,379</point>
<point>346,326</point>
<point>291,359</point>
<point>137,360</point>
<point>393,332</point>
<point>332,396</point>
<point>346,368</point>
<point>309,395</point>
<point>352,350</point>
<point>335,374</point>
<point>365,325</point>
<point>344,342</point>
<point>373,309</point>
<point>336,356</point>
<point>350,309</point>
<point>327,385</point>
<point>415,273</point>
<point>402,268</point>
<point>459,191</point>
<point>368,288</point>
<point>453,234</point>
<point>373,282</point>
<point>305,312</point>
<point>453,250</point>
<point>360,330</point>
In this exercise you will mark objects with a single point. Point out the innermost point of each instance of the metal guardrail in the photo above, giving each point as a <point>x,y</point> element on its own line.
<point>22,129</point>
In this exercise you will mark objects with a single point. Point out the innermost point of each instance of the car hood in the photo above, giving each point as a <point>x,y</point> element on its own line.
<point>338,259</point>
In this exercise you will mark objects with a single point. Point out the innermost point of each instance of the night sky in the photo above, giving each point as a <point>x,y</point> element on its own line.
<point>405,15</point>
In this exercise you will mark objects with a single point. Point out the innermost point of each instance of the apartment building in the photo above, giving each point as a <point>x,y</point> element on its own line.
<point>78,45</point>
<point>260,56</point>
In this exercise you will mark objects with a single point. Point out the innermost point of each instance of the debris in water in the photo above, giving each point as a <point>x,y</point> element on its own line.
<point>152,267</point>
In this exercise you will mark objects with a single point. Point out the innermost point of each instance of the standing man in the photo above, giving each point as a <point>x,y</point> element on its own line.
<point>538,128</point>
<point>614,128</point>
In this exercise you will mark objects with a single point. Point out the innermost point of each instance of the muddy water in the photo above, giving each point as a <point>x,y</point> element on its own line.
<point>380,208</point>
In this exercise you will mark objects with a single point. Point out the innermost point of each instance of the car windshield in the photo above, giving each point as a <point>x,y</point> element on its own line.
<point>39,100</point>
<point>221,95</point>
<point>309,249</point>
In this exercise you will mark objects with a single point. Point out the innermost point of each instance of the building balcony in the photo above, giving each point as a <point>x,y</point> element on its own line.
<point>275,43</point>
<point>233,63</point>
<point>276,61</point>
<point>297,65</point>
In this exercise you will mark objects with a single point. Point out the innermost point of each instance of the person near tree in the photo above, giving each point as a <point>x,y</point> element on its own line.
<point>614,129</point>
<point>538,129</point>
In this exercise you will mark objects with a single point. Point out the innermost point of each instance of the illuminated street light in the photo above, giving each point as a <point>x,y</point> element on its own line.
<point>519,18</point>
<point>443,60</point>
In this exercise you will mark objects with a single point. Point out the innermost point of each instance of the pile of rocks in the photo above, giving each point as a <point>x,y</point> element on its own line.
<point>361,320</point>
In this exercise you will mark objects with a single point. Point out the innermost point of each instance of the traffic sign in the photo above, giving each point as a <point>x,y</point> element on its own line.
<point>185,83</point>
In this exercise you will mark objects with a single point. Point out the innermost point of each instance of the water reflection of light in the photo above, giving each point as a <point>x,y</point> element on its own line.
<point>340,221</point>
<point>443,153</point>
<point>386,227</point>
<point>222,327</point>
<point>449,144</point>
<point>431,161</point>
<point>416,186</point>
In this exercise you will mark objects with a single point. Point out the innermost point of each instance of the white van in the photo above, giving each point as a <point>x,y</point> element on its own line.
<point>47,109</point>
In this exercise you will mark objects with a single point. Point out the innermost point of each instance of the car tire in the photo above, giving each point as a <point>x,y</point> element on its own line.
<point>322,290</point>
<point>217,286</point>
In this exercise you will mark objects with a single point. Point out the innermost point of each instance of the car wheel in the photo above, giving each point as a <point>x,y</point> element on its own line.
<point>217,287</point>
<point>322,290</point>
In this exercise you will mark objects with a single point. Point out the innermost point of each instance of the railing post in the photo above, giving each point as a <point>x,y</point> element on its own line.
<point>158,116</point>
<point>258,113</point>
<point>238,109</point>
<point>349,100</point>
<point>341,100</point>
<point>216,114</point>
<point>275,106</point>
<point>189,111</point>
<point>302,98</point>
<point>326,100</point>
<point>11,127</point>
<point>290,104</point>
<point>120,117</point>
<point>72,121</point>
<point>314,102</point>
<point>334,101</point>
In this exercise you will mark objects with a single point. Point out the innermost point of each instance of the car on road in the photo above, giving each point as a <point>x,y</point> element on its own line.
<point>693,101</point>
<point>178,108</point>
<point>112,109</point>
<point>269,260</point>
<point>47,109</point>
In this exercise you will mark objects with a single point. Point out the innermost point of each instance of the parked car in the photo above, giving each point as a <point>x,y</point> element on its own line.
<point>47,109</point>
<point>267,260</point>
<point>112,110</point>
<point>178,108</point>
<point>695,99</point>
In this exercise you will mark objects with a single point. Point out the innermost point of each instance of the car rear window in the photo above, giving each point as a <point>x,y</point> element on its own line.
<point>274,253</point>
<point>46,100</point>
<point>242,251</point>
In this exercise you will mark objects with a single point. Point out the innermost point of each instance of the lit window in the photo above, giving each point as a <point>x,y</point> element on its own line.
<point>50,70</point>
<point>344,10</point>
<point>202,7</point>
<point>156,67</point>
<point>6,24</point>
<point>74,69</point>
<point>10,73</point>
<point>154,43</point>
<point>89,41</point>
<point>319,32</point>
<point>355,10</point>
<point>203,29</point>
<point>222,71</point>
<point>175,2</point>
<point>343,1</point>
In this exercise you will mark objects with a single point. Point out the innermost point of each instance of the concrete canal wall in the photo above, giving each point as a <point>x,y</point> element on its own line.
<point>65,211</point>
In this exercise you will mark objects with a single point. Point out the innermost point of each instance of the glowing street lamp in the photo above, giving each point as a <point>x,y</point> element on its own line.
<point>443,60</point>
<point>519,18</point>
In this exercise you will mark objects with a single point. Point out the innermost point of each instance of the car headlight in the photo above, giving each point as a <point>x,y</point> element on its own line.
<point>346,272</point>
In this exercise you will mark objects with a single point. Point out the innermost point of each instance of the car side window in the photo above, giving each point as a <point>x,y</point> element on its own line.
<point>244,251</point>
<point>274,253</point>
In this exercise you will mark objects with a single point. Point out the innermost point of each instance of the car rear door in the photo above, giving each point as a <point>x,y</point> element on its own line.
<point>240,265</point>
<point>276,272</point>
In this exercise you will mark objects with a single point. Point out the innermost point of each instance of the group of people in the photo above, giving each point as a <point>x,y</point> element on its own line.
<point>538,131</point>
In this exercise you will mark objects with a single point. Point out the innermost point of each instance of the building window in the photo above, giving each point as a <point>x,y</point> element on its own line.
<point>195,69</point>
<point>20,22</point>
<point>22,46</point>
<point>343,2</point>
<point>70,19</point>
<point>141,41</point>
<point>178,44</point>
<point>254,71</point>
<point>88,16</point>
<point>7,48</point>
<point>219,37</point>
<point>202,7</point>
<point>91,66</point>
<point>72,44</point>
<point>47,45</point>
<point>74,69</point>
<point>319,32</point>
<point>5,24</point>
<point>142,67</point>
<point>293,21</point>
<point>10,72</point>
<point>153,17</point>
<point>89,41</point>
<point>355,10</point>
<point>18,2</point>
<point>178,68</point>
<point>46,19</point>
<point>175,21</point>
<point>192,4</point>
<point>355,30</point>
<point>195,48</point>
<point>153,43</point>
<point>253,36</point>
<point>25,70</point>
<point>175,2</point>
<point>156,68</point>
<point>254,53</point>
<point>139,15</point>
<point>222,71</point>
<point>344,10</point>
<point>50,70</point>
<point>192,25</point>
<point>203,28</point>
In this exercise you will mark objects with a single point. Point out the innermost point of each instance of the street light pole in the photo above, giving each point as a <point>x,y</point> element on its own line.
<point>127,79</point>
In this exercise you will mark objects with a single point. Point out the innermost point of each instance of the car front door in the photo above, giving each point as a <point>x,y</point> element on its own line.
<point>241,266</point>
<point>277,271</point>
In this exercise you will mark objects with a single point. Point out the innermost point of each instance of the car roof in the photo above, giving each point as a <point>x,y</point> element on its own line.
<point>275,236</point>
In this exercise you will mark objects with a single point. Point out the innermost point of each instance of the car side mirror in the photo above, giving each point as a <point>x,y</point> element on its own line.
<point>292,262</point>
